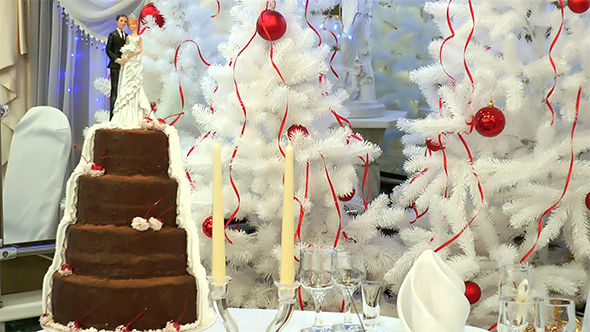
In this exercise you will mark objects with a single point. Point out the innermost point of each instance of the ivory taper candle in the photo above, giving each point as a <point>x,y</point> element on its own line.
<point>288,231</point>
<point>218,259</point>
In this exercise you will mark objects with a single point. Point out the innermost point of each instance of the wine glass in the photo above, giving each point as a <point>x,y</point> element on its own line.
<point>315,276</point>
<point>559,315</point>
<point>515,281</point>
<point>349,273</point>
<point>516,315</point>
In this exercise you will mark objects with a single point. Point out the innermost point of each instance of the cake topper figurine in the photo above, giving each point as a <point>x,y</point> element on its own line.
<point>115,42</point>
<point>131,103</point>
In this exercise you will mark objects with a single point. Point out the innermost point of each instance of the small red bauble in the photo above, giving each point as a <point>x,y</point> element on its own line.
<point>274,22</point>
<point>432,145</point>
<point>296,128</point>
<point>347,197</point>
<point>588,201</point>
<point>578,6</point>
<point>472,292</point>
<point>96,167</point>
<point>151,10</point>
<point>489,121</point>
<point>208,226</point>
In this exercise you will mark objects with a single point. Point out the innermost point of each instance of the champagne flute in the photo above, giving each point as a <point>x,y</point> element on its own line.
<point>349,273</point>
<point>515,281</point>
<point>315,276</point>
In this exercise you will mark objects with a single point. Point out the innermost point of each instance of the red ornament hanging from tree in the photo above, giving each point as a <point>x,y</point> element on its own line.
<point>296,128</point>
<point>578,6</point>
<point>275,24</point>
<point>208,227</point>
<point>489,121</point>
<point>432,145</point>
<point>347,197</point>
<point>588,201</point>
<point>472,292</point>
<point>151,10</point>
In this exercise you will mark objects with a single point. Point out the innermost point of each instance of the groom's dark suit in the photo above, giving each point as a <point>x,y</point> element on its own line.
<point>115,42</point>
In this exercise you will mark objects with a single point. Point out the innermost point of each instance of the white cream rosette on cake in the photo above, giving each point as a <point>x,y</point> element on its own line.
<point>432,297</point>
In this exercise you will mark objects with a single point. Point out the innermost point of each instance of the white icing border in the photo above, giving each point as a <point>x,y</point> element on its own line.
<point>51,325</point>
<point>183,220</point>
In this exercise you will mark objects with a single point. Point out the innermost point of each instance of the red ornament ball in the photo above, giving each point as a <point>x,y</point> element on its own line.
<point>588,201</point>
<point>472,292</point>
<point>208,227</point>
<point>296,128</point>
<point>151,10</point>
<point>578,6</point>
<point>432,145</point>
<point>347,197</point>
<point>274,22</point>
<point>489,121</point>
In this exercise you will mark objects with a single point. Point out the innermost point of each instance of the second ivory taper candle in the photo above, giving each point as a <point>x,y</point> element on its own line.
<point>288,229</point>
<point>218,236</point>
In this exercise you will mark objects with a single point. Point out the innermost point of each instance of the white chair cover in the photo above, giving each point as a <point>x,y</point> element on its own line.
<point>35,175</point>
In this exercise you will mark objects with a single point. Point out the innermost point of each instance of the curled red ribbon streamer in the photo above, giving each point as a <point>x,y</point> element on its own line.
<point>218,10</point>
<point>467,44</point>
<point>310,25</point>
<point>444,164</point>
<point>553,64</point>
<point>418,216</point>
<point>335,202</point>
<point>567,182</point>
<point>235,152</point>
<point>176,66</point>
<point>334,53</point>
<point>446,40</point>
<point>493,327</point>
<point>301,209</point>
<point>480,194</point>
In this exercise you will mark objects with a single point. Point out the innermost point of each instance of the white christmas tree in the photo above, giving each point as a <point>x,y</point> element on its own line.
<point>247,114</point>
<point>165,68</point>
<point>501,184</point>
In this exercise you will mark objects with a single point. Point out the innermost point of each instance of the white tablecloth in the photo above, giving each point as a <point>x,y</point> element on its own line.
<point>256,320</point>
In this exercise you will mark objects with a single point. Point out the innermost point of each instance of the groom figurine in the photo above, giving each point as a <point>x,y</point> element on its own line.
<point>114,44</point>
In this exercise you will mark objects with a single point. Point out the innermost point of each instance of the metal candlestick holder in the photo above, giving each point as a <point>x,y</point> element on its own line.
<point>218,295</point>
<point>287,300</point>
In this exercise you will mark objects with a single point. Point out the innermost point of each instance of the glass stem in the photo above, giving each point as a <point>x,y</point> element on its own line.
<point>318,300</point>
<point>347,310</point>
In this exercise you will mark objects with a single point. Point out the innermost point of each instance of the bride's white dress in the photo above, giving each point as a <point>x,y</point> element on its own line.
<point>132,104</point>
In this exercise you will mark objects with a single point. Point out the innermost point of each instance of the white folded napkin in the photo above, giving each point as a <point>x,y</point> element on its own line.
<point>432,297</point>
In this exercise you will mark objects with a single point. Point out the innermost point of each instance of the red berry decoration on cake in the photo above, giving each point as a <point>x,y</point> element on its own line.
<point>45,318</point>
<point>297,130</point>
<point>347,197</point>
<point>472,292</point>
<point>489,121</point>
<point>160,124</point>
<point>66,270</point>
<point>140,224</point>
<point>275,25</point>
<point>578,6</point>
<point>73,326</point>
<point>432,145</point>
<point>90,168</point>
<point>146,123</point>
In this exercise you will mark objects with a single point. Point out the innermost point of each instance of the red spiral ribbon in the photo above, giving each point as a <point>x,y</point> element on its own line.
<point>235,152</point>
<point>553,64</point>
<point>310,25</point>
<point>176,66</point>
<point>335,202</point>
<point>467,44</point>
<point>418,216</point>
<point>445,164</point>
<point>493,327</point>
<point>218,10</point>
<point>334,53</point>
<point>567,182</point>
<point>301,209</point>
<point>446,40</point>
<point>480,194</point>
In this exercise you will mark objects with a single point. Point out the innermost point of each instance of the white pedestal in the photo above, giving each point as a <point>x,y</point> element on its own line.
<point>364,109</point>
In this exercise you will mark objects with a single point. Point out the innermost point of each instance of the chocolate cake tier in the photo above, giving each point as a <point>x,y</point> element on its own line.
<point>106,304</point>
<point>116,200</point>
<point>132,152</point>
<point>124,252</point>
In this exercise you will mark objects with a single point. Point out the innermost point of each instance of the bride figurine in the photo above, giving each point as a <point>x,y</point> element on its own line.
<point>132,104</point>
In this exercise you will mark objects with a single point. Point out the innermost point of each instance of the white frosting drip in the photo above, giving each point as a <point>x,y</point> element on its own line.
<point>183,220</point>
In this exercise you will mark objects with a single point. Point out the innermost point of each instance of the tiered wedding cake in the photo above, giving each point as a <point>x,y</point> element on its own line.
<point>127,250</point>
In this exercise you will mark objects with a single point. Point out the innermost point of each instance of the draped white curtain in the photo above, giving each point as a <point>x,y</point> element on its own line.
<point>67,54</point>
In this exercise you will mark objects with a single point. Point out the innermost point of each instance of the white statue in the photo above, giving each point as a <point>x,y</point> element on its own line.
<point>355,48</point>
